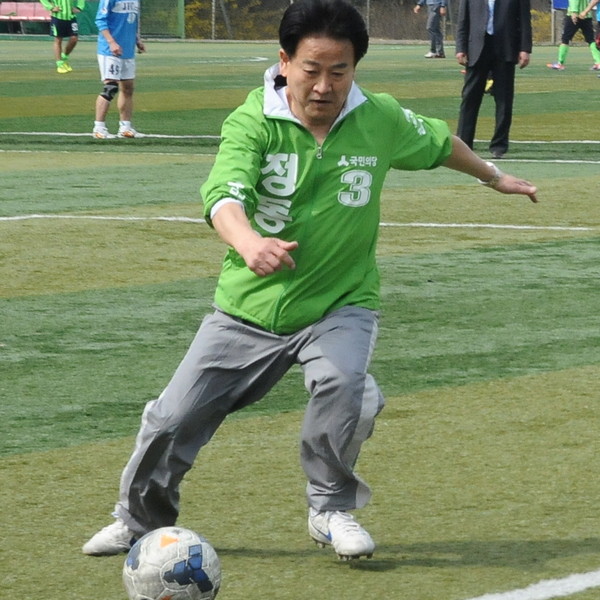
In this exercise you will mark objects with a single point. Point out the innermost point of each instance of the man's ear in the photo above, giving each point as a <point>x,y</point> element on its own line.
<point>284,61</point>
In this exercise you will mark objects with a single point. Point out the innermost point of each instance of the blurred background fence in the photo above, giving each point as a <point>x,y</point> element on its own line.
<point>258,19</point>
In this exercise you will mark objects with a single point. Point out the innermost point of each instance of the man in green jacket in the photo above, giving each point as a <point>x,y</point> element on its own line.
<point>64,25</point>
<point>295,194</point>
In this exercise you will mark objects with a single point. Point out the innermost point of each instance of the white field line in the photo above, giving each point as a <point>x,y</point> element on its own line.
<point>416,225</point>
<point>89,134</point>
<point>216,137</point>
<point>491,226</point>
<point>549,588</point>
<point>102,218</point>
<point>552,141</point>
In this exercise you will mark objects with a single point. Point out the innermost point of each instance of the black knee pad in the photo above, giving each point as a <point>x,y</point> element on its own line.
<point>110,90</point>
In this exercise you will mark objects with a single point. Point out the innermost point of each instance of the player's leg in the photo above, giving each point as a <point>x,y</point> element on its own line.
<point>587,29</point>
<point>125,104</point>
<point>568,32</point>
<point>110,73</point>
<point>228,366</point>
<point>56,44</point>
<point>57,48</point>
<point>103,101</point>
<point>339,418</point>
<point>60,63</point>
<point>71,43</point>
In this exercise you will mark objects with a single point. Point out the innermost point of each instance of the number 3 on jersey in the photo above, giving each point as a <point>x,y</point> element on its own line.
<point>359,183</point>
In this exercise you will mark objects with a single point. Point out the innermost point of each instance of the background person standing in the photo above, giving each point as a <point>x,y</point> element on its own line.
<point>64,25</point>
<point>436,10</point>
<point>577,18</point>
<point>118,23</point>
<point>492,36</point>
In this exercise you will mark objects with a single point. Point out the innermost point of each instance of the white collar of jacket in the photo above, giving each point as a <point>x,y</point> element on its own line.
<point>276,104</point>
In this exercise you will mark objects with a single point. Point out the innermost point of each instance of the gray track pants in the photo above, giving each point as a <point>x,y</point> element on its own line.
<point>230,365</point>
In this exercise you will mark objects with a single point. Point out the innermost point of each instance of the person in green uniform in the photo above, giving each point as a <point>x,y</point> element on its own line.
<point>577,18</point>
<point>63,25</point>
<point>295,194</point>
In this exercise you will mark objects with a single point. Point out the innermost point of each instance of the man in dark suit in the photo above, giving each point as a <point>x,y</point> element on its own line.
<point>492,36</point>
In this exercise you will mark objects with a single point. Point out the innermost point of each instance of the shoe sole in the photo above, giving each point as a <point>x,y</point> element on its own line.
<point>341,556</point>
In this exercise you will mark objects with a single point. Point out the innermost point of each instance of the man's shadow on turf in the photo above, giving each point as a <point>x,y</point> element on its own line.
<point>528,555</point>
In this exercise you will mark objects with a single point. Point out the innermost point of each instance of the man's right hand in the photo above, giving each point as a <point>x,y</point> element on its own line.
<point>265,256</point>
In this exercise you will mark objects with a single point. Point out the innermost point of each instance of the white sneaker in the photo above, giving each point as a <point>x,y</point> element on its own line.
<point>430,55</point>
<point>129,132</point>
<point>113,539</point>
<point>340,530</point>
<point>102,133</point>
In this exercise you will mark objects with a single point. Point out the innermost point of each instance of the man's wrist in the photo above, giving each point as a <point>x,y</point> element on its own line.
<point>493,181</point>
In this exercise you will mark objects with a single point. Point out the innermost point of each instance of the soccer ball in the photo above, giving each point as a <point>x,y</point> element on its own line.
<point>172,563</point>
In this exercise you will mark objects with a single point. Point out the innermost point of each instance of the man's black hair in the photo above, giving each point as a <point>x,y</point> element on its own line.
<point>336,19</point>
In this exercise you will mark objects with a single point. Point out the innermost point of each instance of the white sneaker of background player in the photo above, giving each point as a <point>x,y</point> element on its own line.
<point>129,132</point>
<point>112,539</point>
<point>102,133</point>
<point>340,530</point>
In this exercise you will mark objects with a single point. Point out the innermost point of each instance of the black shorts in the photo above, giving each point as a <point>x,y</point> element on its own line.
<point>570,29</point>
<point>63,29</point>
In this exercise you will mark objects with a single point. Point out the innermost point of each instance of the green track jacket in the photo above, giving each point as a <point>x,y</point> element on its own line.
<point>66,8</point>
<point>327,198</point>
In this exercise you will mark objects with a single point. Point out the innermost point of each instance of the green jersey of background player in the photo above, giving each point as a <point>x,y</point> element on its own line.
<point>63,25</point>
<point>295,193</point>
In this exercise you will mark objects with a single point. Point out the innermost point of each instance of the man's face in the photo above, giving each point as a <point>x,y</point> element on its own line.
<point>319,77</point>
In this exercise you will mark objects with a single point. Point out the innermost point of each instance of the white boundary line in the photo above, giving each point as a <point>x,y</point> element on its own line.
<point>89,134</point>
<point>490,226</point>
<point>549,588</point>
<point>216,137</point>
<point>416,225</point>
<point>551,141</point>
<point>102,218</point>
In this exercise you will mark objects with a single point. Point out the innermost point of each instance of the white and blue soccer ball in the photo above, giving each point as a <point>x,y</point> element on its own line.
<point>172,563</point>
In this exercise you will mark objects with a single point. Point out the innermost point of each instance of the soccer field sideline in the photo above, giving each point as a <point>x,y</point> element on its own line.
<point>382,224</point>
<point>550,588</point>
<point>217,137</point>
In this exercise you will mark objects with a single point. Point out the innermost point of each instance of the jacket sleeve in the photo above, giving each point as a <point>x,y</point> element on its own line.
<point>80,4</point>
<point>526,33</point>
<point>462,27</point>
<point>47,4</point>
<point>419,143</point>
<point>236,170</point>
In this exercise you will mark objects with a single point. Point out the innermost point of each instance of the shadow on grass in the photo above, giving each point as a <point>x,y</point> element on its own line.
<point>525,554</point>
